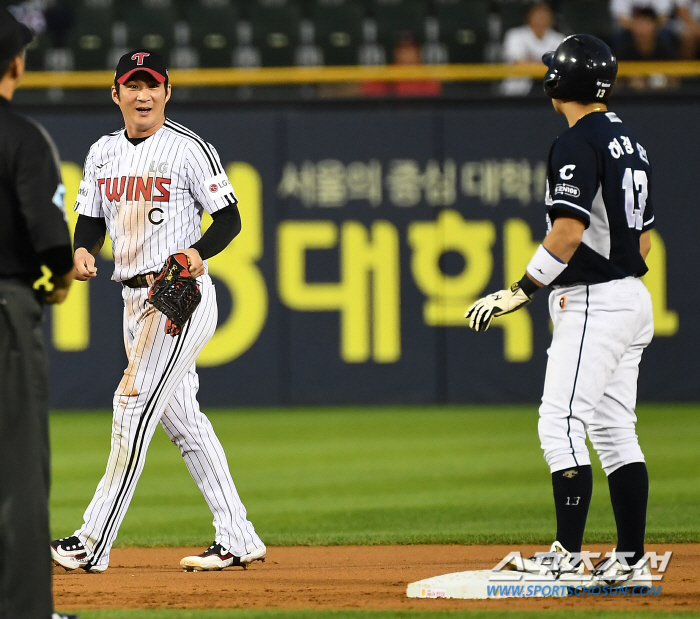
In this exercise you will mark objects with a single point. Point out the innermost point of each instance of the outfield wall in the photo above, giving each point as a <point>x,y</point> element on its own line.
<point>366,234</point>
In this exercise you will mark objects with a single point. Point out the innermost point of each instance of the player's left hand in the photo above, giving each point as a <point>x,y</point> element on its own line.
<point>195,261</point>
<point>499,303</point>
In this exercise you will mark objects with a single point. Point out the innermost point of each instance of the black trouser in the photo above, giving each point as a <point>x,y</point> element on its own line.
<point>25,560</point>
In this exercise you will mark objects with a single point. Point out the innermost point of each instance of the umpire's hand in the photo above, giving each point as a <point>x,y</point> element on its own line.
<point>61,284</point>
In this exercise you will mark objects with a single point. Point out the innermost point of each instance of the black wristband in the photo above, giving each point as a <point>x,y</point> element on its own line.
<point>528,286</point>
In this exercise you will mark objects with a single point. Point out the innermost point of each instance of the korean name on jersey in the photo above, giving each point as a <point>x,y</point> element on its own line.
<point>152,194</point>
<point>599,173</point>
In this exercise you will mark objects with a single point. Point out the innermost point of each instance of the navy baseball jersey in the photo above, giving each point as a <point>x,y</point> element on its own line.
<point>598,172</point>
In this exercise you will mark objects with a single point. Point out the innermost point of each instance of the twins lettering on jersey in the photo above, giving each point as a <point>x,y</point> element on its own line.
<point>135,188</point>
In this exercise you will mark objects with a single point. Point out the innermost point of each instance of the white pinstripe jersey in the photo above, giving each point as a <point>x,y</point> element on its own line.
<point>152,194</point>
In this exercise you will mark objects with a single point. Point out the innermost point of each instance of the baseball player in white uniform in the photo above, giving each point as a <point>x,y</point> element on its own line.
<point>147,185</point>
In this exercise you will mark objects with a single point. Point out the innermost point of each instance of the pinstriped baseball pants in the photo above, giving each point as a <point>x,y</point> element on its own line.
<point>160,386</point>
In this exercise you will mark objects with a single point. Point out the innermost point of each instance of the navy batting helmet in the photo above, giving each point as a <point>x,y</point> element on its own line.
<point>583,68</point>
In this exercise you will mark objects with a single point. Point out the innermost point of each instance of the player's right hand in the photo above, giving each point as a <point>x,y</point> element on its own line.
<point>84,263</point>
<point>499,303</point>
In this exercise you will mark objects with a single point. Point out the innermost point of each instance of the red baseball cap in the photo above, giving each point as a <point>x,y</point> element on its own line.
<point>141,60</point>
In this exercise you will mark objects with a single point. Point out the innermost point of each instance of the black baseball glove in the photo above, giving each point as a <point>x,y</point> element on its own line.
<point>175,293</point>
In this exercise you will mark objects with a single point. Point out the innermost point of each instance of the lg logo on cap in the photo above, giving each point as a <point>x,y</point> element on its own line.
<point>139,56</point>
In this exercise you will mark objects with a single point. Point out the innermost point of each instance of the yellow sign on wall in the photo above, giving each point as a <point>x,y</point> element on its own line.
<point>368,293</point>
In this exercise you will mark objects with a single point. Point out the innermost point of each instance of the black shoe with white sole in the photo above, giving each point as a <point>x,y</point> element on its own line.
<point>70,553</point>
<point>216,558</point>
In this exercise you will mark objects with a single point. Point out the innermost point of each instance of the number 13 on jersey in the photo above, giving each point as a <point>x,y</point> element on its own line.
<point>636,186</point>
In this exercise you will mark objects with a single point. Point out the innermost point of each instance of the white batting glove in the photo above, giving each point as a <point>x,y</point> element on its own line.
<point>499,303</point>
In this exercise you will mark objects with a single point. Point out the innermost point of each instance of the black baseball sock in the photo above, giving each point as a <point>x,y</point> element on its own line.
<point>629,492</point>
<point>572,496</point>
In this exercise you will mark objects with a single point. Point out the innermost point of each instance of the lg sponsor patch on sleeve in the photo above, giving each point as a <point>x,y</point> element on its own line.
<point>218,186</point>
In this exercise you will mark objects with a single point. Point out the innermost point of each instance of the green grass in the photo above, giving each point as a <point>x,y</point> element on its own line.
<point>380,614</point>
<point>375,475</point>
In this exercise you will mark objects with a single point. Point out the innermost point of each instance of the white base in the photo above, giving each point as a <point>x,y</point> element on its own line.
<point>486,584</point>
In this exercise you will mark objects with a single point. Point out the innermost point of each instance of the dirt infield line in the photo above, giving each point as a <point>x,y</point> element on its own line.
<point>337,577</point>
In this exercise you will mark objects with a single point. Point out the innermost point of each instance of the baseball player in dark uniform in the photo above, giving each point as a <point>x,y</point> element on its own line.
<point>33,232</point>
<point>599,214</point>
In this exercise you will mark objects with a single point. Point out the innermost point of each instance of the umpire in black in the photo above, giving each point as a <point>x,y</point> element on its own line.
<point>33,232</point>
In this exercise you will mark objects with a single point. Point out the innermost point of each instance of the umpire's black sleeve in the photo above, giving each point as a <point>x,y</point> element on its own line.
<point>40,191</point>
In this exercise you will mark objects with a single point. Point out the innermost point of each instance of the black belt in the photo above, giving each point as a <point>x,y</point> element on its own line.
<point>138,281</point>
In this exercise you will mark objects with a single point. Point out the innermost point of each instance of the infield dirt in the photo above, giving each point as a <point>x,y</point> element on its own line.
<point>364,577</point>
